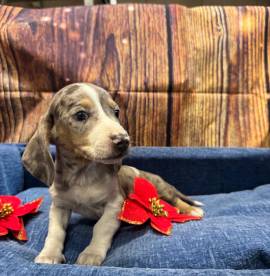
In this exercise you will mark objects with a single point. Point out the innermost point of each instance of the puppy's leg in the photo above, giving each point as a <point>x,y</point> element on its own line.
<point>166,191</point>
<point>103,232</point>
<point>52,250</point>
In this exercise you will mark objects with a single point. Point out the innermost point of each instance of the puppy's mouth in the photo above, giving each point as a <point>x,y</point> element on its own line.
<point>101,158</point>
<point>113,159</point>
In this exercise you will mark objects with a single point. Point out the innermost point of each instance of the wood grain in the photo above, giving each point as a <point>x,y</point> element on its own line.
<point>218,49</point>
<point>142,114</point>
<point>103,45</point>
<point>183,77</point>
<point>215,120</point>
<point>19,114</point>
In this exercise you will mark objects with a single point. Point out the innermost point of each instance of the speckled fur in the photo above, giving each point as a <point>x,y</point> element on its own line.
<point>87,176</point>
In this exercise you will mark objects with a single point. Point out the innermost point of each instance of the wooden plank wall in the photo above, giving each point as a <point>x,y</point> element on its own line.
<point>182,77</point>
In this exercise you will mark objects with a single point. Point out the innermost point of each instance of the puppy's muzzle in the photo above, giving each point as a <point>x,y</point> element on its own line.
<point>120,142</point>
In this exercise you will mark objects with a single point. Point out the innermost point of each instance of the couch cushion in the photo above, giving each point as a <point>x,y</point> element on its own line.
<point>235,234</point>
<point>195,171</point>
<point>11,170</point>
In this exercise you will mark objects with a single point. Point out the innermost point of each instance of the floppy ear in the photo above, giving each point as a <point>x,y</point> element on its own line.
<point>36,157</point>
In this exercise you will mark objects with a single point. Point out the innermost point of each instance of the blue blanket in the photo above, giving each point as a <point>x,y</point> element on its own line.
<point>232,239</point>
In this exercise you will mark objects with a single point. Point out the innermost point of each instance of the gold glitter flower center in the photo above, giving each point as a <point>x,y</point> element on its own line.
<point>6,210</point>
<point>157,208</point>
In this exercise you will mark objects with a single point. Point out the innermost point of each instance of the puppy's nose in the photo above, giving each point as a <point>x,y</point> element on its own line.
<point>121,141</point>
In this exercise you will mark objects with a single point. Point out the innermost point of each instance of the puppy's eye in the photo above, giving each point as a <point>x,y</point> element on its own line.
<point>81,116</point>
<point>116,112</point>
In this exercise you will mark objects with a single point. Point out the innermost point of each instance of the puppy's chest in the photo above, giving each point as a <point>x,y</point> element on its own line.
<point>87,195</point>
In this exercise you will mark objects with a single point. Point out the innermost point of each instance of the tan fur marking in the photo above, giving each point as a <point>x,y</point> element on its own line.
<point>87,103</point>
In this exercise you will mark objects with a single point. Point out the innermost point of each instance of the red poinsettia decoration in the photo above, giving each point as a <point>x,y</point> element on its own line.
<point>11,213</point>
<point>145,204</point>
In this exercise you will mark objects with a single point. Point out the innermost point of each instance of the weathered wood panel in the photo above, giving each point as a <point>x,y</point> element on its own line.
<point>218,49</point>
<point>266,48</point>
<point>183,77</point>
<point>118,47</point>
<point>145,116</point>
<point>197,119</point>
<point>20,113</point>
<point>215,120</point>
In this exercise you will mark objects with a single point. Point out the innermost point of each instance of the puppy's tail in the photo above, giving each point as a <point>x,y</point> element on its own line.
<point>167,191</point>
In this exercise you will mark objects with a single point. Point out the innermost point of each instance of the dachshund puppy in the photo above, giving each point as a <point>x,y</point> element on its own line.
<point>87,176</point>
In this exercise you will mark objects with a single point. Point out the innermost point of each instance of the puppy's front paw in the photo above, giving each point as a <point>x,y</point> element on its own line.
<point>49,259</point>
<point>89,258</point>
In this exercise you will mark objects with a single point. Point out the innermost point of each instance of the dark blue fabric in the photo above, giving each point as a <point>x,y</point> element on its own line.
<point>235,234</point>
<point>232,239</point>
<point>197,171</point>
<point>11,170</point>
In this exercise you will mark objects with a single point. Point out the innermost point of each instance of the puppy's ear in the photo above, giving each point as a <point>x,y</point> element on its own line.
<point>36,157</point>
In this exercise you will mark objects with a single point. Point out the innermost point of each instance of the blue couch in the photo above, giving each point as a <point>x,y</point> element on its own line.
<point>232,239</point>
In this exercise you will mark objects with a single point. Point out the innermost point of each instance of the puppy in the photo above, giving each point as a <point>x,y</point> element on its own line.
<point>87,176</point>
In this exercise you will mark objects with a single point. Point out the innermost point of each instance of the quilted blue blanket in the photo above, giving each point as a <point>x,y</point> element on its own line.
<point>232,239</point>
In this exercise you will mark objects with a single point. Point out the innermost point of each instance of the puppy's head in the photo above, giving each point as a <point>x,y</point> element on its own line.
<point>82,119</point>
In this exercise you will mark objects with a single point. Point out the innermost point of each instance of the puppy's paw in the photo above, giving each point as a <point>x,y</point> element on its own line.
<point>193,211</point>
<point>50,259</point>
<point>185,208</point>
<point>89,258</point>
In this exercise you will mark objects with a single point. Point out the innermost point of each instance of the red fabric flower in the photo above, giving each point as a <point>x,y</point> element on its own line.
<point>145,204</point>
<point>11,212</point>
